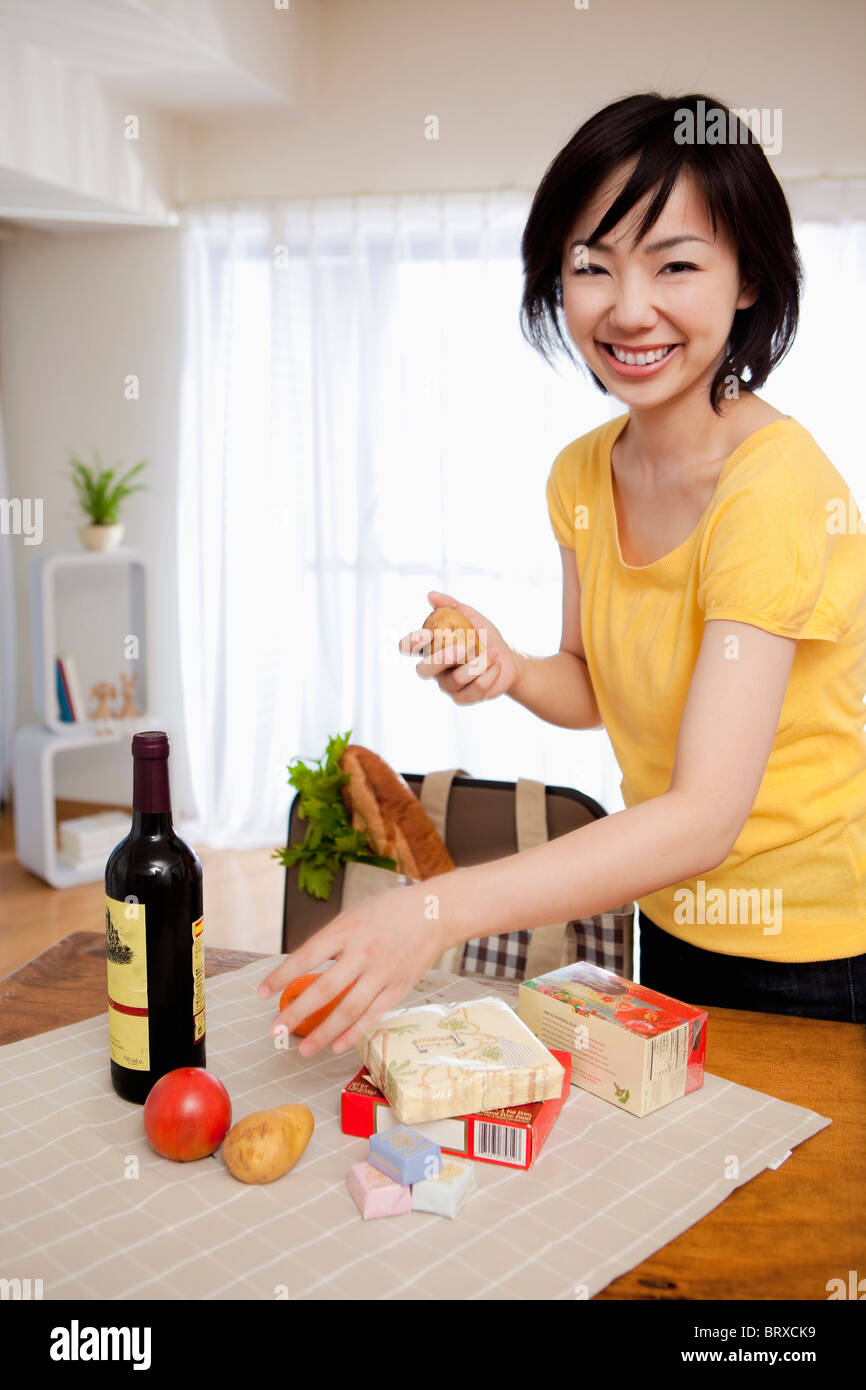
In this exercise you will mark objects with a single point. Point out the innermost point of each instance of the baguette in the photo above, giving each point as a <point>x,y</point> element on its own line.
<point>381,803</point>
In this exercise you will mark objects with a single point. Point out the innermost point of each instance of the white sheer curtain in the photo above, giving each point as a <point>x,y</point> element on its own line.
<point>8,639</point>
<point>362,421</point>
<point>820,380</point>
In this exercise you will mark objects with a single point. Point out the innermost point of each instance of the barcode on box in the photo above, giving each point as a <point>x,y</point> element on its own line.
<point>503,1143</point>
<point>670,1051</point>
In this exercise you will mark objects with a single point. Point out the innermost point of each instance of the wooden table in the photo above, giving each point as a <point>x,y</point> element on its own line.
<point>782,1235</point>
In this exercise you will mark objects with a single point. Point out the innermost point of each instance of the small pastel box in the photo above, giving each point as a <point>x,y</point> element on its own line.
<point>405,1155</point>
<point>445,1193</point>
<point>376,1194</point>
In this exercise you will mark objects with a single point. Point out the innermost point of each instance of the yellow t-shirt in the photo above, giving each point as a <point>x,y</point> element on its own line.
<point>782,546</point>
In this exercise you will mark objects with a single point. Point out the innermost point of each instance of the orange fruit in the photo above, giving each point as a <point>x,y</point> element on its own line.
<point>313,1020</point>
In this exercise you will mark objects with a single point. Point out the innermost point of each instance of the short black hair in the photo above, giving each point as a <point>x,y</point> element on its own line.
<point>739,188</point>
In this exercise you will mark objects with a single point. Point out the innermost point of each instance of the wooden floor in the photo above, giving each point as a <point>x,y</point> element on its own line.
<point>243,899</point>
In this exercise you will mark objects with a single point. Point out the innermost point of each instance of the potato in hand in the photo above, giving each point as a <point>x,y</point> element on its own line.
<point>455,639</point>
<point>463,652</point>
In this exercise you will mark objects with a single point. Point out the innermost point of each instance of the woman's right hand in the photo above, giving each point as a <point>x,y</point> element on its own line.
<point>493,672</point>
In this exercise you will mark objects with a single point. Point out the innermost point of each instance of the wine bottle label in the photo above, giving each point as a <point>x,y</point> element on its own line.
<point>198,979</point>
<point>126,953</point>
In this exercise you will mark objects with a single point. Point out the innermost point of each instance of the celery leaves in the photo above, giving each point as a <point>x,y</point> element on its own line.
<point>329,840</point>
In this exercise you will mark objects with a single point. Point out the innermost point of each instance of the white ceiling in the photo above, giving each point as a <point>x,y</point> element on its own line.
<point>173,66</point>
<point>181,59</point>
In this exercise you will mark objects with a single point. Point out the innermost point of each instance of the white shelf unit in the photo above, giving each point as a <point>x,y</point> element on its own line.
<point>46,575</point>
<point>35,754</point>
<point>37,747</point>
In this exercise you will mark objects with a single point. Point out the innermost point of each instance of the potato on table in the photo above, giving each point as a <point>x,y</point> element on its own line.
<point>264,1145</point>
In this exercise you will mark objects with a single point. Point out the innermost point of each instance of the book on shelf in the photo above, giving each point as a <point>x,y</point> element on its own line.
<point>63,700</point>
<point>73,685</point>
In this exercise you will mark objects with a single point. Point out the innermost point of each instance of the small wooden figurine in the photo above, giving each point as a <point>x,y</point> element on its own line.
<point>102,692</point>
<point>128,709</point>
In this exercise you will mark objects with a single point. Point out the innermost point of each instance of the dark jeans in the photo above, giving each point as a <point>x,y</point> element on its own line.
<point>834,989</point>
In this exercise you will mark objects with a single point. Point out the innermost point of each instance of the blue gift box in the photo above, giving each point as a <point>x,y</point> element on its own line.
<point>405,1155</point>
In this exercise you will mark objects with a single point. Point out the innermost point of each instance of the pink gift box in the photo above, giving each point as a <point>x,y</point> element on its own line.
<point>376,1194</point>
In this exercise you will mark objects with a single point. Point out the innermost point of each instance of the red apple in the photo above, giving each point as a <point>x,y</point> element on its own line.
<point>187,1114</point>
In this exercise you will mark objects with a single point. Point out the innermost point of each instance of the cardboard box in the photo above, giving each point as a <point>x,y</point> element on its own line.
<point>512,1137</point>
<point>629,1044</point>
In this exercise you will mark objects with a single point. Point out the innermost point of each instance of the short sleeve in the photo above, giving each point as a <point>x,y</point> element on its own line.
<point>766,552</point>
<point>560,502</point>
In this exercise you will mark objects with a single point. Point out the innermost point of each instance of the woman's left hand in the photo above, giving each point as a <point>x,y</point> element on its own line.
<point>384,945</point>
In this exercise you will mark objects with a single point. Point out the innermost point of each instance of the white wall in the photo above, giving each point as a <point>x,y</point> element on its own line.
<point>510,80</point>
<point>77,314</point>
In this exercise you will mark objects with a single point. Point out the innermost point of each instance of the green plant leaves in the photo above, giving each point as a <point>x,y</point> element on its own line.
<point>99,493</point>
<point>330,839</point>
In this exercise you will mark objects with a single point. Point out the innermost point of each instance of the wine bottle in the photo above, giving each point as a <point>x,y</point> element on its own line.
<point>154,941</point>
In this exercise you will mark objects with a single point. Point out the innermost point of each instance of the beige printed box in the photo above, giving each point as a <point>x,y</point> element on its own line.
<point>438,1060</point>
<point>629,1044</point>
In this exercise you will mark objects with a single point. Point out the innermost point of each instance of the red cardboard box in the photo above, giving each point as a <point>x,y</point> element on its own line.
<point>512,1137</point>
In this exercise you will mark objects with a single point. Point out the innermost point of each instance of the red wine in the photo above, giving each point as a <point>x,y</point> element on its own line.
<point>153,936</point>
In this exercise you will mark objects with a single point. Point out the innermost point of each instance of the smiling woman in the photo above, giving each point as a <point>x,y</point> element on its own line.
<point>722,622</point>
<point>715,597</point>
<point>742,299</point>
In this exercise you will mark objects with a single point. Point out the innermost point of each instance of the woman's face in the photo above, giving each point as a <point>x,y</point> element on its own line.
<point>651,297</point>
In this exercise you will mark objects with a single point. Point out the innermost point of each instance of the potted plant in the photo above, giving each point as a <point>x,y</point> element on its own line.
<point>100,494</point>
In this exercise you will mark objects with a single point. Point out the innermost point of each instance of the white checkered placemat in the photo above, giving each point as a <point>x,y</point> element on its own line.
<point>90,1209</point>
